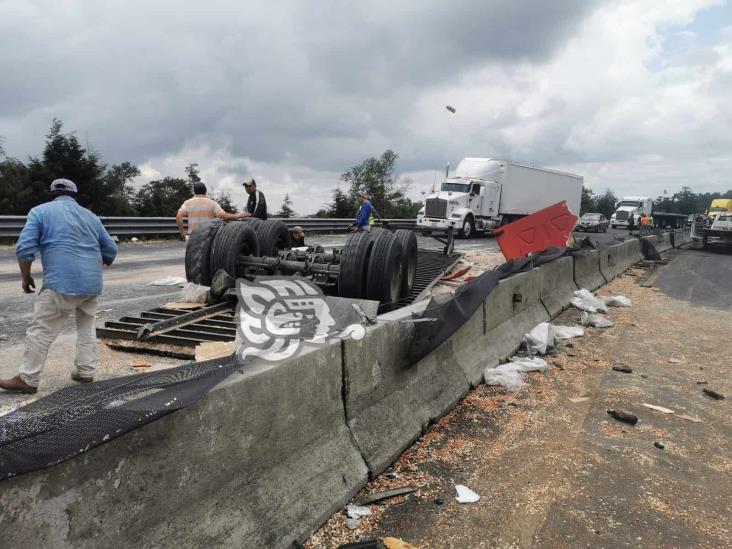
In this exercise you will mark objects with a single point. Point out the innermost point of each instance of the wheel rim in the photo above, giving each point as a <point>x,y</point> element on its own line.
<point>467,228</point>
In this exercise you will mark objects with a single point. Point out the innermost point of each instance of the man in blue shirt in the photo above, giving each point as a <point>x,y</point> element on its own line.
<point>73,244</point>
<point>365,215</point>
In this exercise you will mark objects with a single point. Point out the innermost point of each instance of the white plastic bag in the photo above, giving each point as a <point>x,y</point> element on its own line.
<point>541,338</point>
<point>617,301</point>
<point>193,293</point>
<point>357,511</point>
<point>585,301</point>
<point>505,376</point>
<point>465,494</point>
<point>508,375</point>
<point>595,320</point>
<point>568,332</point>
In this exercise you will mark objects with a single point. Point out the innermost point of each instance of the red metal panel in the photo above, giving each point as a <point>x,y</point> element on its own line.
<point>549,227</point>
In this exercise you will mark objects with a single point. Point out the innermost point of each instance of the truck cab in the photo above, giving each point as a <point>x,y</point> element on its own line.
<point>720,206</point>
<point>468,201</point>
<point>630,207</point>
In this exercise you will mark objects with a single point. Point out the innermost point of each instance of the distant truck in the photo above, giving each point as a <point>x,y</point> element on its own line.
<point>630,206</point>
<point>720,206</point>
<point>485,193</point>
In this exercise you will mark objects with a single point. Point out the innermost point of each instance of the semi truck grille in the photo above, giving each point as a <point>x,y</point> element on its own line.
<point>621,216</point>
<point>436,207</point>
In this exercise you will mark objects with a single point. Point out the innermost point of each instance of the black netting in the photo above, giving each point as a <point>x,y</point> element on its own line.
<point>75,419</point>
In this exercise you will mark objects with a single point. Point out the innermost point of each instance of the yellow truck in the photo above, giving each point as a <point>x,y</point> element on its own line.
<point>720,206</point>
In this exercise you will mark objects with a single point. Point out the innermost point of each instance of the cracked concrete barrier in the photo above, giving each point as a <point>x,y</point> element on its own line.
<point>557,285</point>
<point>652,246</point>
<point>587,272</point>
<point>616,259</point>
<point>260,461</point>
<point>388,402</point>
<point>512,309</point>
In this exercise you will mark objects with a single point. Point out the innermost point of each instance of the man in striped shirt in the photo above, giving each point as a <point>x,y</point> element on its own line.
<point>199,209</point>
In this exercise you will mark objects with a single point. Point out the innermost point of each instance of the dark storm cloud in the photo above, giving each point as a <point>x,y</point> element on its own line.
<point>322,83</point>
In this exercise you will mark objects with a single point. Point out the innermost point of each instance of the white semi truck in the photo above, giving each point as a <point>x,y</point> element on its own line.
<point>485,193</point>
<point>628,206</point>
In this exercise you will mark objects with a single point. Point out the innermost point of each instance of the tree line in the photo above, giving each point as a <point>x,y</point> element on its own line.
<point>104,189</point>
<point>683,202</point>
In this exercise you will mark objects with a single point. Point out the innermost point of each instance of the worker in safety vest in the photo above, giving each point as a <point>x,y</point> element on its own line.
<point>644,223</point>
<point>365,215</point>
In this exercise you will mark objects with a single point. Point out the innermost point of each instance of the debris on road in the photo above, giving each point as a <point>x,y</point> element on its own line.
<point>689,418</point>
<point>595,320</point>
<point>169,281</point>
<point>584,300</point>
<point>659,445</point>
<point>193,293</point>
<point>465,494</point>
<point>386,494</point>
<point>541,338</point>
<point>577,400</point>
<point>622,368</point>
<point>617,301</point>
<point>140,364</point>
<point>509,375</point>
<point>568,332</point>
<point>674,361</point>
<point>623,416</point>
<point>396,543</point>
<point>713,394</point>
<point>658,408</point>
<point>357,511</point>
<point>182,306</point>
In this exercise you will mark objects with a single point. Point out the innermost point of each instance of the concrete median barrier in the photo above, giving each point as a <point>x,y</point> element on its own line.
<point>587,272</point>
<point>388,402</point>
<point>616,259</point>
<point>680,237</point>
<point>557,284</point>
<point>652,246</point>
<point>261,461</point>
<point>512,309</point>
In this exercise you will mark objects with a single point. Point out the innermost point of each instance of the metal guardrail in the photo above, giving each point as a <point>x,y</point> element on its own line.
<point>11,225</point>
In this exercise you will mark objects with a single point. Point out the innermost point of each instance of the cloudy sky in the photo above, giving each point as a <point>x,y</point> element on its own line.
<point>633,95</point>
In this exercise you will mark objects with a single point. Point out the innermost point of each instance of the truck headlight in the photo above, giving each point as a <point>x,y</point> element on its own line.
<point>456,215</point>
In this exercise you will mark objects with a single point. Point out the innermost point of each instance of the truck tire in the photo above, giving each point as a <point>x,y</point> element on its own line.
<point>232,240</point>
<point>273,236</point>
<point>354,261</point>
<point>408,240</point>
<point>198,252</point>
<point>254,222</point>
<point>468,228</point>
<point>384,278</point>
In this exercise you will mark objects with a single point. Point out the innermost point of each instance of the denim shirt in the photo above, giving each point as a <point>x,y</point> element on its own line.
<point>72,242</point>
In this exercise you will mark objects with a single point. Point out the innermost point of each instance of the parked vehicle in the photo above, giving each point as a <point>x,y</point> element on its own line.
<point>486,193</point>
<point>720,206</point>
<point>593,222</point>
<point>720,232</point>
<point>630,206</point>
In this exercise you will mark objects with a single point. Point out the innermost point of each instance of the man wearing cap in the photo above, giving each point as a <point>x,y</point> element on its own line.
<point>256,204</point>
<point>200,209</point>
<point>73,245</point>
<point>365,215</point>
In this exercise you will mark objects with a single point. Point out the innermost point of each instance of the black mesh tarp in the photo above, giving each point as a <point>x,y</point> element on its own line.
<point>75,419</point>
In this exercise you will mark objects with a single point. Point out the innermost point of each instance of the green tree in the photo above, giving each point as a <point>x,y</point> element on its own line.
<point>587,203</point>
<point>605,204</point>
<point>286,210</point>
<point>15,189</point>
<point>342,206</point>
<point>162,198</point>
<point>224,200</point>
<point>193,173</point>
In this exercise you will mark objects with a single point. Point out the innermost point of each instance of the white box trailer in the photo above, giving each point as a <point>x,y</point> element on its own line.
<point>485,193</point>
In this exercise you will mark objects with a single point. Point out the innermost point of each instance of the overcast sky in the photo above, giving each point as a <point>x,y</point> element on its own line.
<point>633,95</point>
